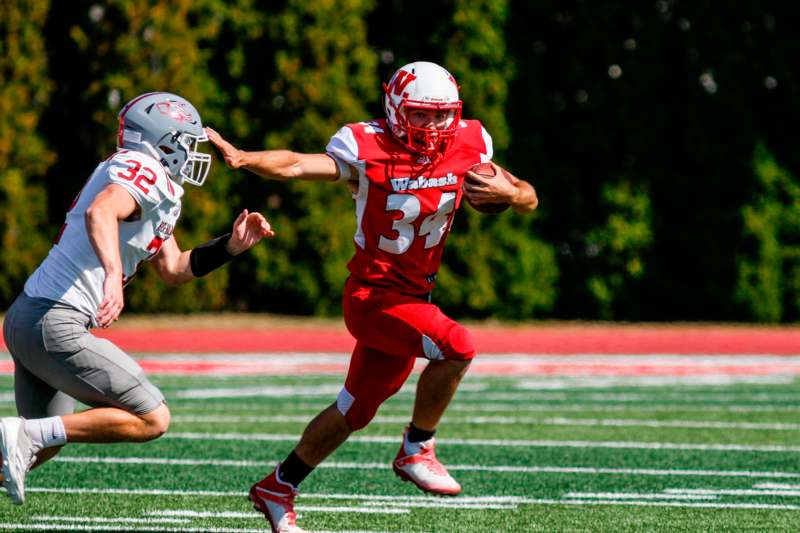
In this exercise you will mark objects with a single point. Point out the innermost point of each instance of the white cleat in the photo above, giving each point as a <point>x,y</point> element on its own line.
<point>18,456</point>
<point>423,469</point>
<point>275,499</point>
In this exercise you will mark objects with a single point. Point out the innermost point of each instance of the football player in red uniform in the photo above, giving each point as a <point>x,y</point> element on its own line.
<point>407,175</point>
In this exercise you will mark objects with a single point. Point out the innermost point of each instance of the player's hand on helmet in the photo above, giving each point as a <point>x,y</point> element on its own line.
<point>482,189</point>
<point>113,301</point>
<point>231,154</point>
<point>247,230</point>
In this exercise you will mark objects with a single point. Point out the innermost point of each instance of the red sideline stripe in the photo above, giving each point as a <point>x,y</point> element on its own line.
<point>538,340</point>
<point>267,367</point>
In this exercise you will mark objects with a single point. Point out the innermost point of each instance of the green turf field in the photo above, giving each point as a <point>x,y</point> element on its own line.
<point>533,454</point>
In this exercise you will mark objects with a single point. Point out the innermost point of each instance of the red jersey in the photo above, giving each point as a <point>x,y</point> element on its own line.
<point>405,203</point>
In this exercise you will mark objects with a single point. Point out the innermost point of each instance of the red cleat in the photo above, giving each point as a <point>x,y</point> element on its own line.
<point>275,499</point>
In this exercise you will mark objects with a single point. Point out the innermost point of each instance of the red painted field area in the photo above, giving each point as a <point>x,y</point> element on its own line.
<point>547,350</point>
<point>537,340</point>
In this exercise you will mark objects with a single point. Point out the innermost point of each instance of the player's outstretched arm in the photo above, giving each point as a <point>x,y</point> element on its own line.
<point>102,218</point>
<point>502,187</point>
<point>175,266</point>
<point>276,164</point>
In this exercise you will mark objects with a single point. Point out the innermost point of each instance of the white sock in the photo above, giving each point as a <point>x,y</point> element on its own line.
<point>412,448</point>
<point>46,432</point>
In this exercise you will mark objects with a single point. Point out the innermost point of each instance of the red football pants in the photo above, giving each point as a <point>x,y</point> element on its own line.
<point>391,331</point>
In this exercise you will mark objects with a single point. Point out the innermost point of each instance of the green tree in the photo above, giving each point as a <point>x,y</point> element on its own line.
<point>495,265</point>
<point>124,48</point>
<point>768,285</point>
<point>24,155</point>
<point>323,75</point>
<point>618,246</point>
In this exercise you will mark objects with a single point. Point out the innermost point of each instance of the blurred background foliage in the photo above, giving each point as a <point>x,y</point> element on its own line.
<point>660,137</point>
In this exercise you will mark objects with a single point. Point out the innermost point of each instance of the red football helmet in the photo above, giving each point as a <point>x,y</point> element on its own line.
<point>422,85</point>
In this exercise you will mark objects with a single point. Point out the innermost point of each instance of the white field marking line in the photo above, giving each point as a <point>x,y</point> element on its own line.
<point>604,382</point>
<point>584,358</point>
<point>142,492</point>
<point>126,528</point>
<point>387,499</point>
<point>654,503</point>
<point>360,510</point>
<point>161,529</point>
<point>48,518</point>
<point>289,391</point>
<point>511,420</point>
<point>638,496</point>
<point>308,496</point>
<point>446,504</point>
<point>784,486</point>
<point>736,492</point>
<point>382,466</point>
<point>680,399</point>
<point>473,468</point>
<point>300,508</point>
<point>313,409</point>
<point>274,437</point>
<point>277,391</point>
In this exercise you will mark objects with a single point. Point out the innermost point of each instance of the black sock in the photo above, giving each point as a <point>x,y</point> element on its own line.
<point>418,435</point>
<point>294,470</point>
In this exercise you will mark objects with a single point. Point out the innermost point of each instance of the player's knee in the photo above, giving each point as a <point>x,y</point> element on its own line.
<point>457,345</point>
<point>357,412</point>
<point>156,423</point>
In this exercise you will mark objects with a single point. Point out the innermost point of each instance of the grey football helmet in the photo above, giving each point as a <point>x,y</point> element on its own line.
<point>167,127</point>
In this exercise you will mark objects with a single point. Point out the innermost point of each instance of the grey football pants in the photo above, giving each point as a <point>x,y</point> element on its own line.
<point>57,361</point>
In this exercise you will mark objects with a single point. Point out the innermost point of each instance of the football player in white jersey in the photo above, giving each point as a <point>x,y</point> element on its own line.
<point>124,215</point>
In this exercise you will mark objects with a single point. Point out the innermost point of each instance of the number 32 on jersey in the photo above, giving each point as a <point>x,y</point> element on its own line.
<point>433,227</point>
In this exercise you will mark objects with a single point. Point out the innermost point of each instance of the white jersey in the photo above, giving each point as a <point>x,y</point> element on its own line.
<point>71,273</point>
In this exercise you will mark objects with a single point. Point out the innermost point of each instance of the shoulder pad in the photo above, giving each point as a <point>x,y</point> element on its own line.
<point>142,176</point>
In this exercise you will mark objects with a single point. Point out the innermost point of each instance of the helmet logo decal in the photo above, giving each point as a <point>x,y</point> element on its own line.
<point>400,82</point>
<point>175,111</point>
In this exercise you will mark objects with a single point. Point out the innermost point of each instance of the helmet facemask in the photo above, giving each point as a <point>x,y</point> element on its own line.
<point>179,154</point>
<point>431,142</point>
<point>197,164</point>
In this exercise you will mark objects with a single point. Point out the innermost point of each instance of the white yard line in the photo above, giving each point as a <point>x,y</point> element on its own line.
<point>277,437</point>
<point>604,382</point>
<point>313,408</point>
<point>645,503</point>
<point>299,508</point>
<point>103,519</point>
<point>780,486</point>
<point>469,468</point>
<point>638,496</point>
<point>478,393</point>
<point>387,500</point>
<point>737,492</point>
<point>125,528</point>
<point>446,504</point>
<point>159,529</point>
<point>507,420</point>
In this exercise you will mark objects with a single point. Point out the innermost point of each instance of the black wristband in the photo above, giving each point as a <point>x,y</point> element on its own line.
<point>209,256</point>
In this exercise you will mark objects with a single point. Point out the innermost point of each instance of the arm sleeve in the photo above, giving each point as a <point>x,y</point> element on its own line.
<point>487,142</point>
<point>343,148</point>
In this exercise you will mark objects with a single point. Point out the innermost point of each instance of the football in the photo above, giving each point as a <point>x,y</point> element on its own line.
<point>485,169</point>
